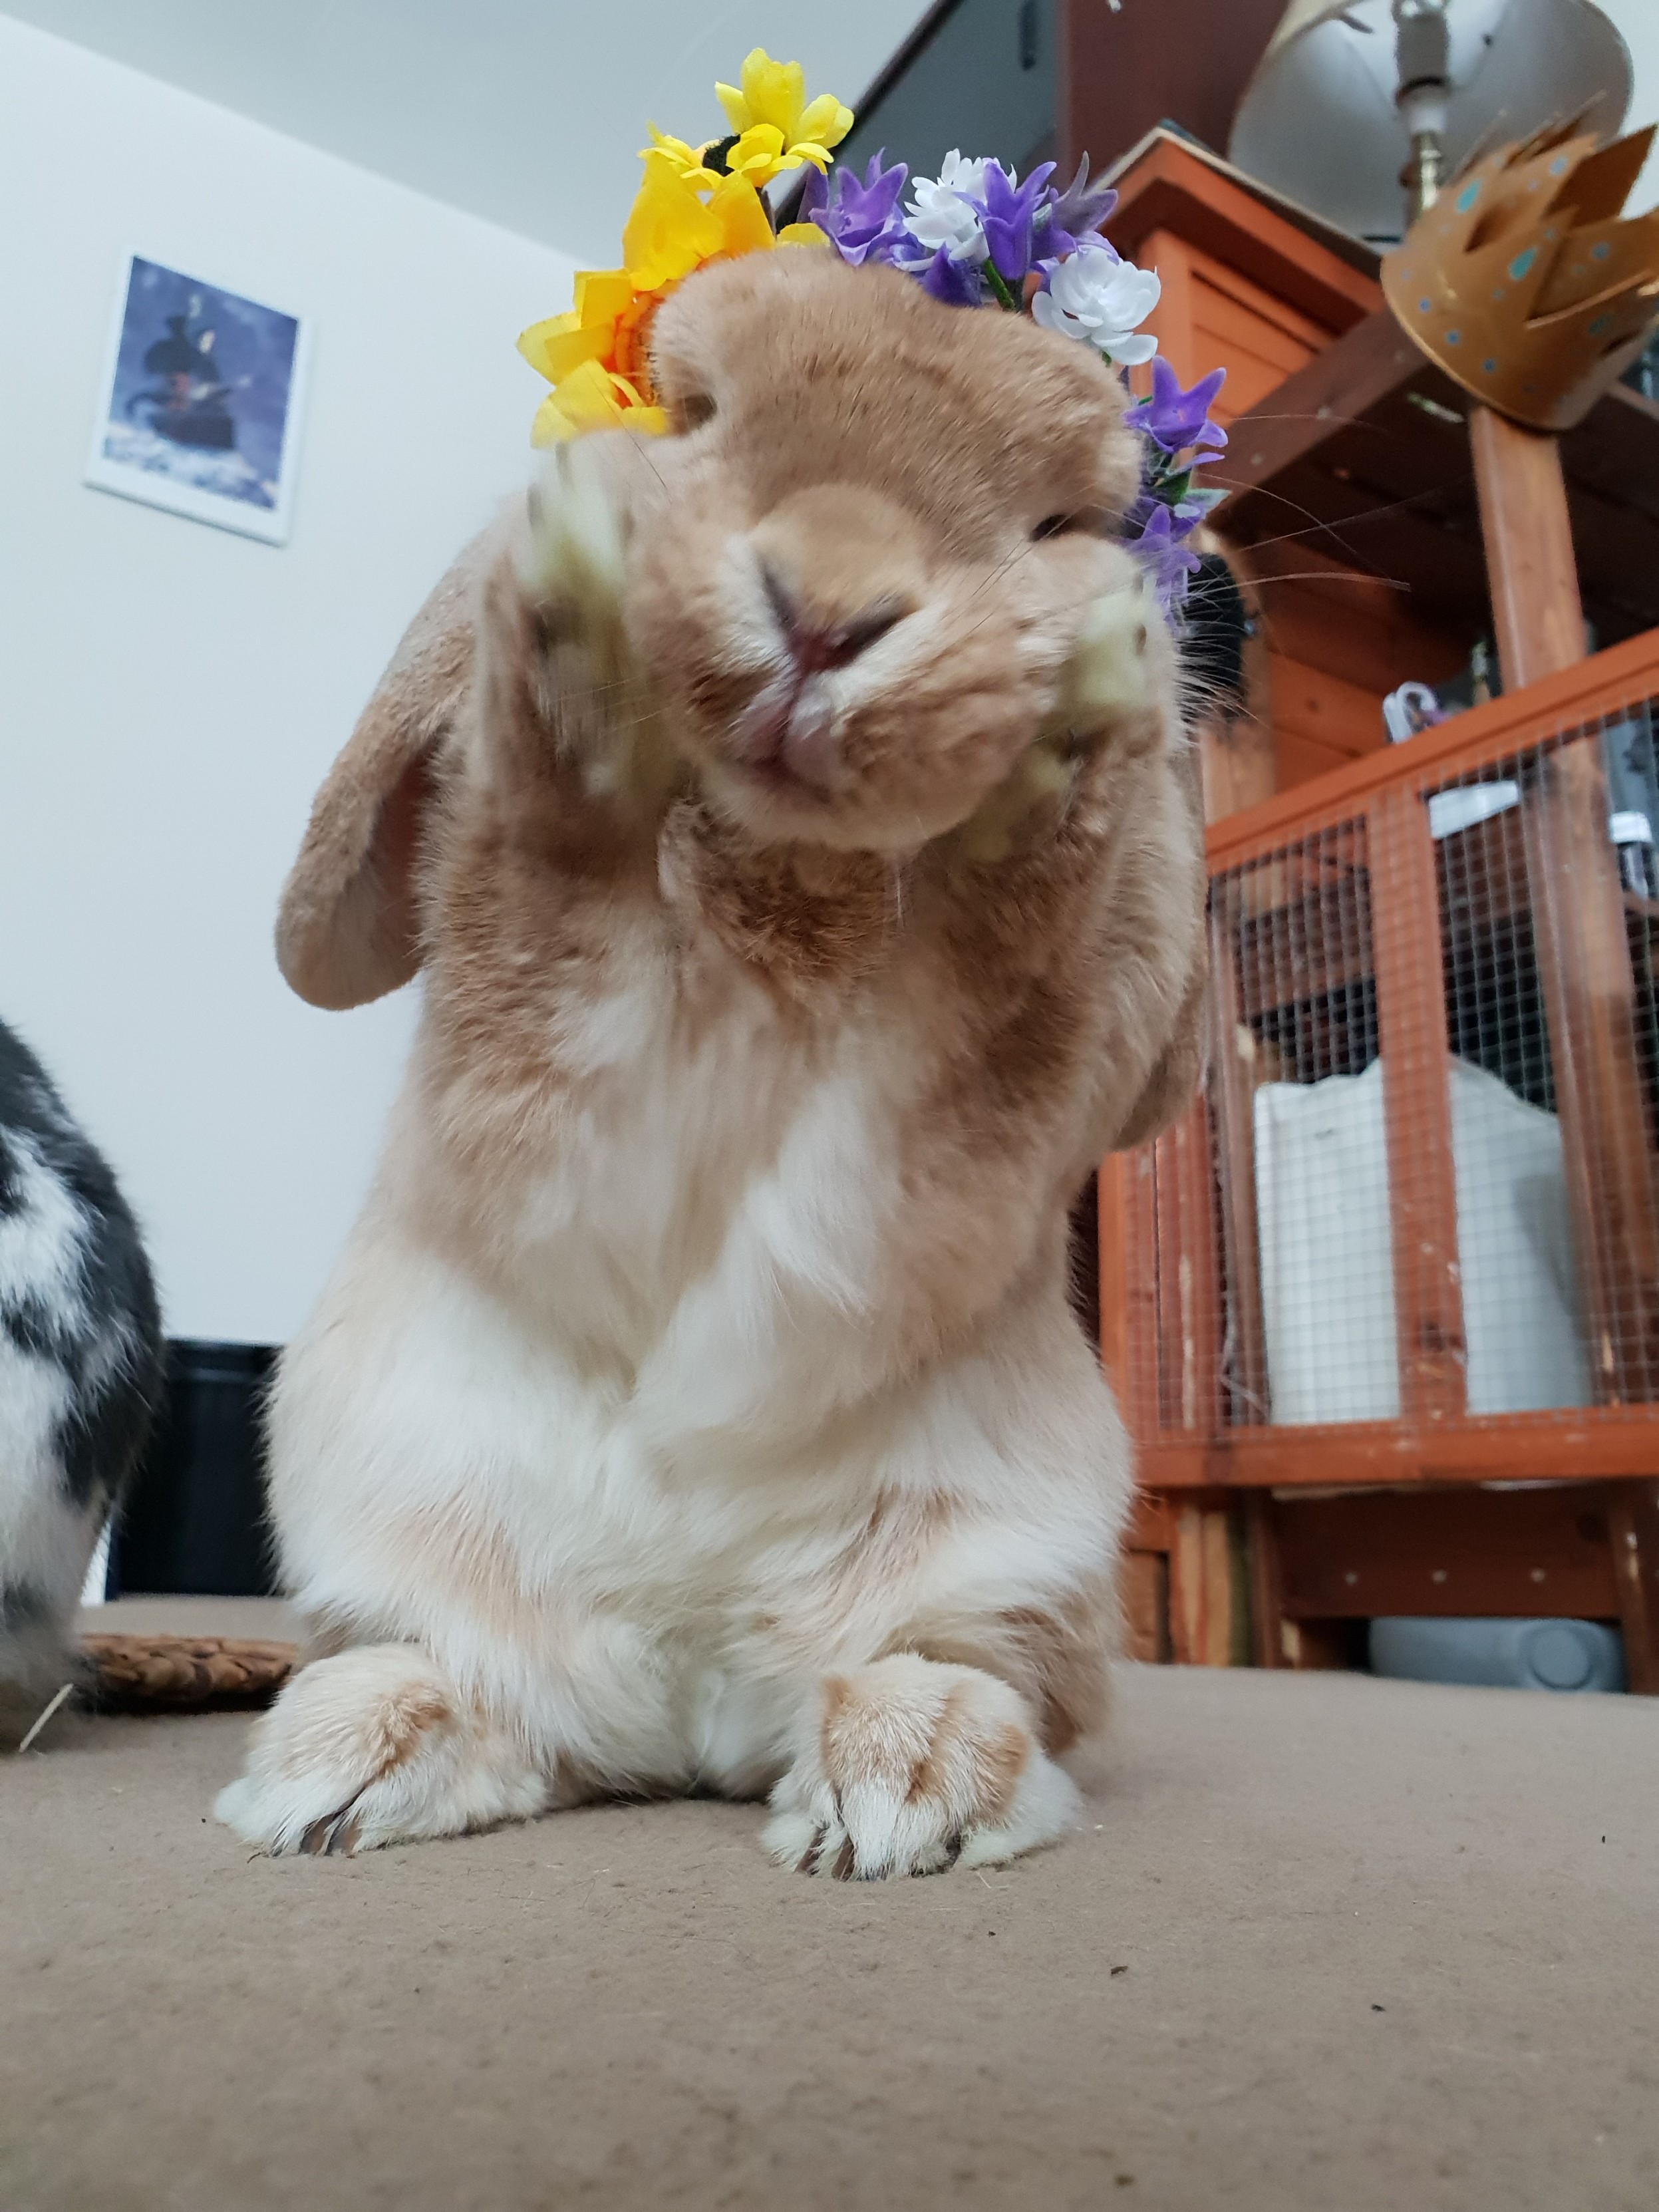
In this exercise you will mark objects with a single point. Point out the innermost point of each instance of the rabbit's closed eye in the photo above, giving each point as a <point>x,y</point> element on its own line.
<point>1082,521</point>
<point>691,411</point>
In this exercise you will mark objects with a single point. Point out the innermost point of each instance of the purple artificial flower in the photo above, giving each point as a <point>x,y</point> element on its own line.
<point>958,283</point>
<point>814,194</point>
<point>1162,549</point>
<point>1185,514</point>
<point>1188,513</point>
<point>861,220</point>
<point>1175,419</point>
<point>1007,213</point>
<point>1076,215</point>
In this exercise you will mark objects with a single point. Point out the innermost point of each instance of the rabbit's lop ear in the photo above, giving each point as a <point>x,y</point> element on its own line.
<point>348,929</point>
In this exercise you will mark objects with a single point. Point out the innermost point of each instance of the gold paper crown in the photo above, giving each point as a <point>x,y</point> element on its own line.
<point>1522,283</point>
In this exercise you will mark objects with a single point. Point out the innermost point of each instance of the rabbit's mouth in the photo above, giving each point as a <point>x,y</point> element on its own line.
<point>786,739</point>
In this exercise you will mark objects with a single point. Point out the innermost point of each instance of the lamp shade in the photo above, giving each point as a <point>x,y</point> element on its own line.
<point>1318,120</point>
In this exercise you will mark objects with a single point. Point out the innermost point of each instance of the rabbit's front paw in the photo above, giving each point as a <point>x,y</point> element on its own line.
<point>575,557</point>
<point>915,1766</point>
<point>375,1746</point>
<point>572,582</point>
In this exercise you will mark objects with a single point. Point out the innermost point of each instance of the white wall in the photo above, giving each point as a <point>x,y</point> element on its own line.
<point>170,696</point>
<point>1638,22</point>
<point>527,113</point>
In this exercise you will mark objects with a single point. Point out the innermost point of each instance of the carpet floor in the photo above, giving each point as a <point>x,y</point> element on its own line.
<point>1326,1944</point>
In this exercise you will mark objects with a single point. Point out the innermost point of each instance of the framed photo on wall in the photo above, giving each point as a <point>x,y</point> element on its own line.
<point>199,407</point>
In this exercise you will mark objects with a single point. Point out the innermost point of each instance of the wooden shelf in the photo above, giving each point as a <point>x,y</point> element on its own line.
<point>1363,456</point>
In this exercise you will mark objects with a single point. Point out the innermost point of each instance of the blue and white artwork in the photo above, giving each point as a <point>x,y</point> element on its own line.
<point>201,402</point>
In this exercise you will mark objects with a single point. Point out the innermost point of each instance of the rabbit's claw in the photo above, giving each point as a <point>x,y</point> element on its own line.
<point>334,1837</point>
<point>376,1745</point>
<point>914,1767</point>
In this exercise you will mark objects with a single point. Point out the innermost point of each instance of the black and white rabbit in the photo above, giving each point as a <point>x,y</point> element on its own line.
<point>80,1372</point>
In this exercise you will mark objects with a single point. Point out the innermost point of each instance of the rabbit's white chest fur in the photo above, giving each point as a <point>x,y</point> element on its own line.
<point>649,1469</point>
<point>703,1194</point>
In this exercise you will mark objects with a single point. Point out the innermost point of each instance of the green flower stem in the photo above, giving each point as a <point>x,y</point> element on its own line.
<point>993,278</point>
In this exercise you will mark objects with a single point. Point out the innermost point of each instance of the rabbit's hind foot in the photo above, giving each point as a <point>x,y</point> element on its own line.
<point>912,1767</point>
<point>376,1745</point>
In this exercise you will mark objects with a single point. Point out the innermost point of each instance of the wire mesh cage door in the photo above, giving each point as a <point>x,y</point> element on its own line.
<point>1547,925</point>
<point>1420,1190</point>
<point>1305,1168</point>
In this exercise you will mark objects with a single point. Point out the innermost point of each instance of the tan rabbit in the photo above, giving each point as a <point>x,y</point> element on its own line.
<point>794,821</point>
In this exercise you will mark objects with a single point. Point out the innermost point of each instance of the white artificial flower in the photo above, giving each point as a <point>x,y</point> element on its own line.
<point>939,215</point>
<point>1094,296</point>
<point>958,174</point>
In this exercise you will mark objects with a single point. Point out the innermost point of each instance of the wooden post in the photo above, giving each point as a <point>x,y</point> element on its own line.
<point>1411,1019</point>
<point>1233,1071</point>
<point>1189,1284</point>
<point>1579,917</point>
<point>1202,1248</point>
<point>1589,1006</point>
<point>1267,1588</point>
<point>1143,1582</point>
<point>1111,1198</point>
<point>1206,1620</point>
<point>1633,1533</point>
<point>1128,1286</point>
<point>1530,567</point>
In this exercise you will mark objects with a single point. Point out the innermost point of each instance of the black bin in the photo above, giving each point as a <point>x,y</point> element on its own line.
<point>193,1522</point>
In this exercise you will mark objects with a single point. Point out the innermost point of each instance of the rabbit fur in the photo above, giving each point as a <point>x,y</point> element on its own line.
<point>81,1374</point>
<point>794,821</point>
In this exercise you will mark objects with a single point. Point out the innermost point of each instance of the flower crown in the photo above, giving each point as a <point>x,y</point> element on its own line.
<point>973,236</point>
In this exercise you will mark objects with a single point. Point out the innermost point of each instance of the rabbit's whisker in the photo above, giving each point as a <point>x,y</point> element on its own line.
<point>1333,530</point>
<point>1331,576</point>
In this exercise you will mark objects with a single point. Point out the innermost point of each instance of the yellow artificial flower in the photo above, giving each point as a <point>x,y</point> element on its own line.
<point>670,230</point>
<point>773,98</point>
<point>745,226</point>
<point>759,155</point>
<point>684,160</point>
<point>592,398</point>
<point>562,342</point>
<point>596,357</point>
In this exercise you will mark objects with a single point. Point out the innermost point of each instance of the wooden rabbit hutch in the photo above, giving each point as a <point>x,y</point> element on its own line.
<point>1409,1238</point>
<point>1384,1311</point>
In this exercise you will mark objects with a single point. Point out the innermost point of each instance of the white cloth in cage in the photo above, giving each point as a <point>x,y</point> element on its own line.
<point>1321,1188</point>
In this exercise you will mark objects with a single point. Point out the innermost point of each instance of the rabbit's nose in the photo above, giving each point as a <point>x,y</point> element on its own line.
<point>817,642</point>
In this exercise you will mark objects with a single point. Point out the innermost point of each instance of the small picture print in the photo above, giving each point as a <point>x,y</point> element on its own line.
<point>201,402</point>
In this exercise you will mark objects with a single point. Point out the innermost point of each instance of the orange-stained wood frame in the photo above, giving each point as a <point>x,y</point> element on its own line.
<point>1185,1445</point>
<point>1625,676</point>
<point>1169,187</point>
